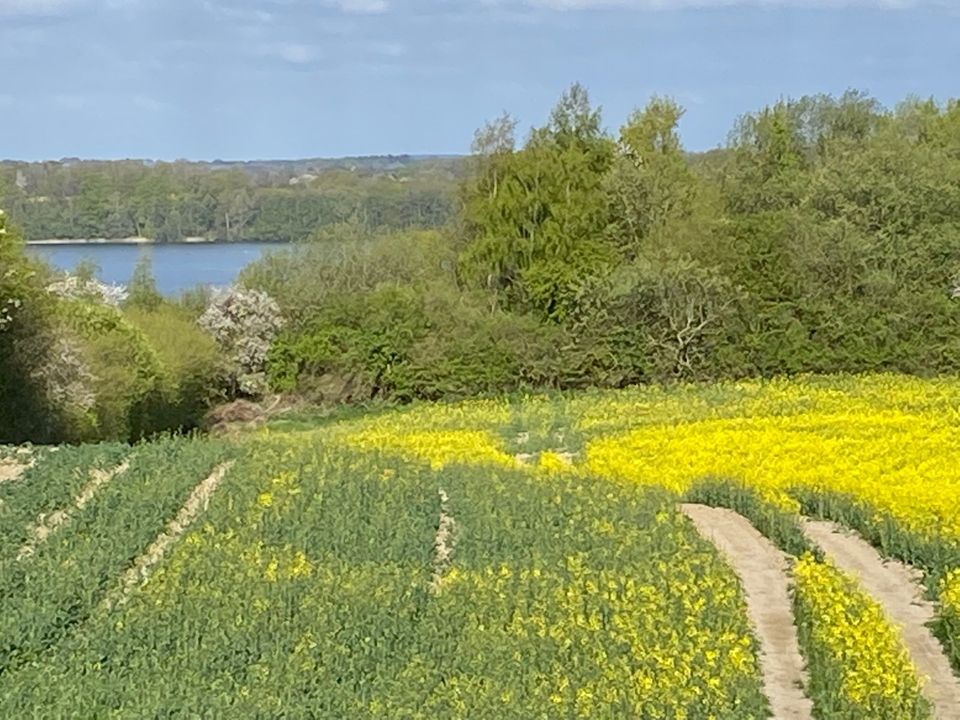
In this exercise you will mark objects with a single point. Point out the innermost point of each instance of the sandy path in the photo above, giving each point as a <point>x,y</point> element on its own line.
<point>762,570</point>
<point>139,572</point>
<point>47,525</point>
<point>898,589</point>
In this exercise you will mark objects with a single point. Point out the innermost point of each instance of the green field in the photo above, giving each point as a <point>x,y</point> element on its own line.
<point>471,561</point>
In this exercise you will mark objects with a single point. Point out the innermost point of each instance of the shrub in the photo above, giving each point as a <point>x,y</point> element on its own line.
<point>124,372</point>
<point>403,343</point>
<point>192,376</point>
<point>244,323</point>
<point>659,319</point>
<point>28,410</point>
<point>347,260</point>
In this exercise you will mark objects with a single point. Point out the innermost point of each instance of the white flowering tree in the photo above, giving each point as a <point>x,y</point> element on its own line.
<point>244,323</point>
<point>74,287</point>
<point>12,275</point>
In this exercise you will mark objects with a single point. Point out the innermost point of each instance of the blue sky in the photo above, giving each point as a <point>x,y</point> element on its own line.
<point>239,79</point>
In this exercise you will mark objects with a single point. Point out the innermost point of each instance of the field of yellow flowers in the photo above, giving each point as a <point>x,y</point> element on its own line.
<point>517,557</point>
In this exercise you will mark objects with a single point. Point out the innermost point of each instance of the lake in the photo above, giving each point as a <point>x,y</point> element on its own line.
<point>176,266</point>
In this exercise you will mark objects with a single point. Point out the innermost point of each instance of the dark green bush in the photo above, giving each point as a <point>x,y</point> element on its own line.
<point>191,376</point>
<point>399,344</point>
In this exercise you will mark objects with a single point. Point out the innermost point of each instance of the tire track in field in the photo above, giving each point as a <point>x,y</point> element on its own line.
<point>762,570</point>
<point>47,525</point>
<point>443,544</point>
<point>196,503</point>
<point>898,589</point>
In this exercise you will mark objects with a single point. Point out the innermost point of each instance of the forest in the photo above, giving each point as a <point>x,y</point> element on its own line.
<point>824,237</point>
<point>278,201</point>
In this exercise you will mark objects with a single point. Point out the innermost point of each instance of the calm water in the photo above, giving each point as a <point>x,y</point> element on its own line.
<point>176,267</point>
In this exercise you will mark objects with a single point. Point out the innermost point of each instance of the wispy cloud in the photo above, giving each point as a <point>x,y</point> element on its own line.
<point>705,4</point>
<point>70,101</point>
<point>243,14</point>
<point>294,53</point>
<point>360,7</point>
<point>48,8</point>
<point>36,7</point>
<point>148,103</point>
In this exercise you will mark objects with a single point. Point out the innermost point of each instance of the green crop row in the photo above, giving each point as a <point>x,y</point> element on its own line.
<point>52,483</point>
<point>313,587</point>
<point>49,594</point>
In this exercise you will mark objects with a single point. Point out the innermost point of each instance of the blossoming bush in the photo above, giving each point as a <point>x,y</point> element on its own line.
<point>244,323</point>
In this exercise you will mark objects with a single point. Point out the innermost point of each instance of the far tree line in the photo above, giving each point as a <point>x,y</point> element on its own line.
<point>169,202</point>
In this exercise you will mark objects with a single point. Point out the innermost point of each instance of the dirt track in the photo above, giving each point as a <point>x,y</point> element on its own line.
<point>48,525</point>
<point>762,570</point>
<point>898,590</point>
<point>139,572</point>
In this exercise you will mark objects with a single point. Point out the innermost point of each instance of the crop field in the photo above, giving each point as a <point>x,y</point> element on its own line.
<point>781,549</point>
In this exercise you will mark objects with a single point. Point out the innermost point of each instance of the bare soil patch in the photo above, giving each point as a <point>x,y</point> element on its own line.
<point>12,468</point>
<point>897,587</point>
<point>139,572</point>
<point>762,570</point>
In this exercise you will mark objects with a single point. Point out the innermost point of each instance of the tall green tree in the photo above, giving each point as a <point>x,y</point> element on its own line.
<point>651,187</point>
<point>535,218</point>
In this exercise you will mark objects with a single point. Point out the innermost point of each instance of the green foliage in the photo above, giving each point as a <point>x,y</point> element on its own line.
<point>401,343</point>
<point>191,376</point>
<point>348,259</point>
<point>142,290</point>
<point>308,590</point>
<point>168,202</point>
<point>26,338</point>
<point>534,218</point>
<point>125,371</point>
<point>651,188</point>
<point>825,238</point>
<point>662,318</point>
<point>63,583</point>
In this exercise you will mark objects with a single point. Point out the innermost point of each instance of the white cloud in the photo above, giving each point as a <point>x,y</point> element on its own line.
<point>239,13</point>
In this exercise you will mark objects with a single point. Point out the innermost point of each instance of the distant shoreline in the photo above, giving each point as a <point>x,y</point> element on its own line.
<point>113,241</point>
<point>146,241</point>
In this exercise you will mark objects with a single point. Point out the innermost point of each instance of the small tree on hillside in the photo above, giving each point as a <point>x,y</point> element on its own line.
<point>244,323</point>
<point>142,291</point>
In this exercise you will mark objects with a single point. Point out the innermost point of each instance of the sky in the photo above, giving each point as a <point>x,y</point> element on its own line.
<point>244,79</point>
